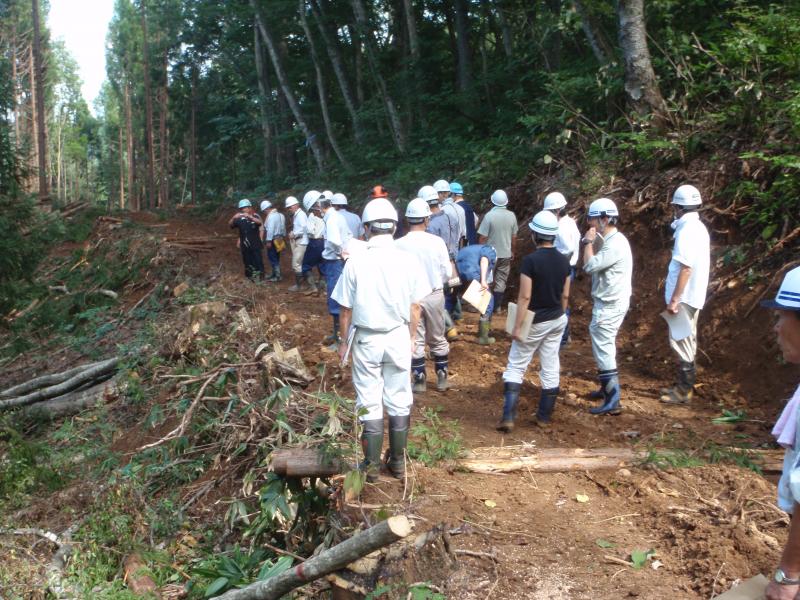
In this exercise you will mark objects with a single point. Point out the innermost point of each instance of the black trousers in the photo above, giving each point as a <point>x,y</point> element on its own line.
<point>253,261</point>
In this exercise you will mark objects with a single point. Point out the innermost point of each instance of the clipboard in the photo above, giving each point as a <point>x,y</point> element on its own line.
<point>752,589</point>
<point>511,320</point>
<point>680,325</point>
<point>476,297</point>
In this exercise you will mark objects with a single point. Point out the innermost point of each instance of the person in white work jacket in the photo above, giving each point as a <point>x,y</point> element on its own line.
<point>273,235</point>
<point>379,293</point>
<point>298,240</point>
<point>687,282</point>
<point>611,268</point>
<point>568,240</point>
<point>785,584</point>
<point>431,252</point>
<point>339,202</point>
<point>337,236</point>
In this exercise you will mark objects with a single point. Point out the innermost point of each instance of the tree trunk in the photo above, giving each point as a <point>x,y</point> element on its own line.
<point>277,64</point>
<point>14,86</point>
<point>641,85</point>
<point>411,27</point>
<point>553,46</point>
<point>332,48</point>
<point>265,100</point>
<point>148,103</point>
<point>505,29</point>
<point>323,100</point>
<point>163,144</point>
<point>600,46</point>
<point>358,65</point>
<point>121,169</point>
<point>546,460</point>
<point>134,198</point>
<point>464,66</point>
<point>38,85</point>
<point>364,31</point>
<point>193,136</point>
<point>305,462</point>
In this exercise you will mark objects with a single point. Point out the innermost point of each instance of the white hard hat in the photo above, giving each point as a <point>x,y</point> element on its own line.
<point>687,195</point>
<point>428,193</point>
<point>418,209</point>
<point>265,204</point>
<point>328,194</point>
<point>499,198</point>
<point>603,207</point>
<point>544,223</point>
<point>379,209</point>
<point>291,201</point>
<point>788,297</point>
<point>554,201</point>
<point>441,186</point>
<point>244,203</point>
<point>339,199</point>
<point>310,199</point>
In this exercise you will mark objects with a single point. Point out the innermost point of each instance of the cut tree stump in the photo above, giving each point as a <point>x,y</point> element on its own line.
<point>546,460</point>
<point>305,462</point>
<point>327,561</point>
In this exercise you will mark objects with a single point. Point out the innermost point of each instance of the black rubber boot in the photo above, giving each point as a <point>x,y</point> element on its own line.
<point>398,440</point>
<point>298,283</point>
<point>609,381</point>
<point>371,444</point>
<point>510,401</point>
<point>441,363</point>
<point>599,394</point>
<point>547,402</point>
<point>418,379</point>
<point>683,391</point>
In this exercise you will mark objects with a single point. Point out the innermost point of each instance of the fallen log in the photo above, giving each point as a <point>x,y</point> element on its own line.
<point>546,460</point>
<point>73,402</point>
<point>305,462</point>
<point>327,561</point>
<point>99,371</point>
<point>43,381</point>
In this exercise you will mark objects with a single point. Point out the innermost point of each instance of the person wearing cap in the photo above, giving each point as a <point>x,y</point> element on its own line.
<point>452,239</point>
<point>499,229</point>
<point>469,234</point>
<point>273,234</point>
<point>249,225</point>
<point>568,239</point>
<point>544,283</point>
<point>685,289</point>
<point>785,584</point>
<point>611,268</point>
<point>353,221</point>
<point>379,293</point>
<point>337,236</point>
<point>478,263</point>
<point>315,228</point>
<point>432,255</point>
<point>298,240</point>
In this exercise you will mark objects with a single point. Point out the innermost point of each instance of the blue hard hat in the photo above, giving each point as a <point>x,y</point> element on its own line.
<point>244,203</point>
<point>456,188</point>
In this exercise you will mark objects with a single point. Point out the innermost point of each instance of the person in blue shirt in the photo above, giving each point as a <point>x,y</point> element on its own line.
<point>477,263</point>
<point>249,225</point>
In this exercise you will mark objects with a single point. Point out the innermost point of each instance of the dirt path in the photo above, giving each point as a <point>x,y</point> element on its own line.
<point>708,526</point>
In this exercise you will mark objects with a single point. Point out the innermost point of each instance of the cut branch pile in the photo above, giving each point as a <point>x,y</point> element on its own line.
<point>57,394</point>
<point>515,458</point>
<point>193,244</point>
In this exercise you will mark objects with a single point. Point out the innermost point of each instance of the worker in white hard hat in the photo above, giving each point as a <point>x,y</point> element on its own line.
<point>432,255</point>
<point>544,284</point>
<point>337,236</point>
<point>499,230</point>
<point>568,239</point>
<point>298,240</point>
<point>339,202</point>
<point>315,228</point>
<point>379,294</point>
<point>249,225</point>
<point>686,285</point>
<point>611,268</point>
<point>273,234</point>
<point>785,584</point>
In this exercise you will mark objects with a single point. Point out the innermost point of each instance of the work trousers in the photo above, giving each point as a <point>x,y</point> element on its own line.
<point>313,256</point>
<point>332,270</point>
<point>686,349</point>
<point>430,329</point>
<point>253,261</point>
<point>274,257</point>
<point>606,321</point>
<point>545,339</point>
<point>382,372</point>
<point>298,252</point>
<point>502,269</point>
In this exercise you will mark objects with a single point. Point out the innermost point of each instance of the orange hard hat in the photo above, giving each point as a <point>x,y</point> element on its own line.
<point>379,192</point>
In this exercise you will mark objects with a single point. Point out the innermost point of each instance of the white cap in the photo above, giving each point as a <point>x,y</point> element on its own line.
<point>328,194</point>
<point>554,201</point>
<point>428,193</point>
<point>441,186</point>
<point>418,209</point>
<point>379,209</point>
<point>265,204</point>
<point>291,201</point>
<point>544,223</point>
<point>687,195</point>
<point>603,207</point>
<point>339,199</point>
<point>788,297</point>
<point>310,199</point>
<point>499,198</point>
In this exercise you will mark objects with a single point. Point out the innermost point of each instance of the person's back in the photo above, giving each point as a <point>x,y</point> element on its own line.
<point>431,252</point>
<point>568,239</point>
<point>354,223</point>
<point>612,270</point>
<point>499,226</point>
<point>548,268</point>
<point>468,261</point>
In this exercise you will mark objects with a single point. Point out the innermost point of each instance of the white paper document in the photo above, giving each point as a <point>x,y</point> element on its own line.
<point>752,589</point>
<point>680,325</point>
<point>477,297</point>
<point>511,320</point>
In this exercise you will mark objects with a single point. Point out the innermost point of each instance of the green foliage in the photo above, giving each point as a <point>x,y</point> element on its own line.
<point>25,468</point>
<point>434,440</point>
<point>639,558</point>
<point>236,569</point>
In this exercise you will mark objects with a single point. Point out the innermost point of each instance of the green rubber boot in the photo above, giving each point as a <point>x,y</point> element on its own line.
<point>372,444</point>
<point>398,440</point>
<point>483,333</point>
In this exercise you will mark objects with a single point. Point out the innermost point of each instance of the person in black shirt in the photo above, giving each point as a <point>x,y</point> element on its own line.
<point>544,290</point>
<point>249,225</point>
